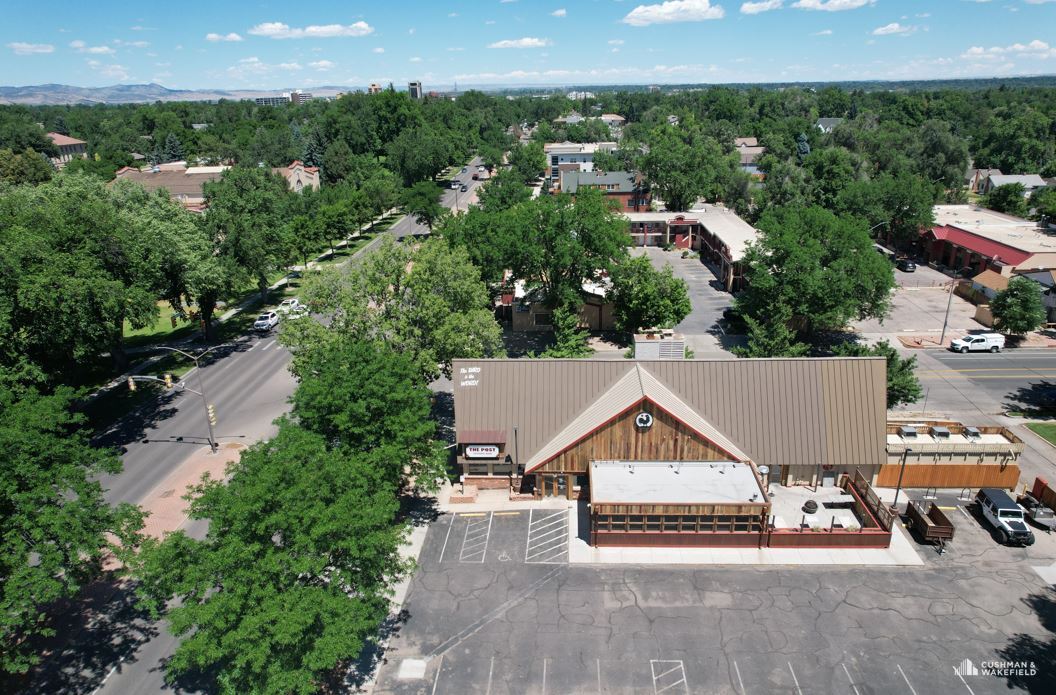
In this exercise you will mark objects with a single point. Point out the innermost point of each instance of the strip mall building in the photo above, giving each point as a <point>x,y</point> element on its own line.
<point>669,451</point>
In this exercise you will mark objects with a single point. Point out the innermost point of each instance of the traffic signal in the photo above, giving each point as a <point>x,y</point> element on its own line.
<point>168,380</point>
<point>211,411</point>
<point>131,384</point>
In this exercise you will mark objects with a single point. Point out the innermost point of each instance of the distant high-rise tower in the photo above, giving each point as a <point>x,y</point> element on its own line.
<point>415,89</point>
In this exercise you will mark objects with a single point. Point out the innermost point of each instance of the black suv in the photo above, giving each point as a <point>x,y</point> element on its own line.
<point>906,265</point>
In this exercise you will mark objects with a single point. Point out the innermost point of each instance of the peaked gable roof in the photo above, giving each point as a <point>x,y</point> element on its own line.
<point>813,411</point>
<point>636,386</point>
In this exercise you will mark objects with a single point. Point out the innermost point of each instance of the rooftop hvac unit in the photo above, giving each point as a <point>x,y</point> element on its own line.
<point>907,432</point>
<point>972,432</point>
<point>940,432</point>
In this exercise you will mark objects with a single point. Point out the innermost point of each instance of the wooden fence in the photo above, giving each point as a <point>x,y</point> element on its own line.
<point>858,486</point>
<point>950,475</point>
<point>1045,494</point>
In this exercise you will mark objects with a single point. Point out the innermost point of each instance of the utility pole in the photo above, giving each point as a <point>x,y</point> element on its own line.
<point>210,411</point>
<point>949,301</point>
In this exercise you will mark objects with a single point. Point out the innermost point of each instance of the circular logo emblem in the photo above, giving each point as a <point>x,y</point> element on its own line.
<point>643,420</point>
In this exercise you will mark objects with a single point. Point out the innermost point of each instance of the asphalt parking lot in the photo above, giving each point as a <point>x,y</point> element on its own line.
<point>492,610</point>
<point>701,327</point>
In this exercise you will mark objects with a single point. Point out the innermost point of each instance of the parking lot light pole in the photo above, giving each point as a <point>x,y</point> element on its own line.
<point>905,454</point>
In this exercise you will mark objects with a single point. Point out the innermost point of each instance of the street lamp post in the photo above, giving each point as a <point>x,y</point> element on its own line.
<point>201,388</point>
<point>905,454</point>
<point>957,274</point>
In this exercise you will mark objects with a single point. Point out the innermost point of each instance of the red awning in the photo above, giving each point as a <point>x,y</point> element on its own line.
<point>481,437</point>
<point>987,248</point>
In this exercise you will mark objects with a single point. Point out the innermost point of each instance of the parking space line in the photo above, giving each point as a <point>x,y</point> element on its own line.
<point>547,538</point>
<point>599,675</point>
<point>680,668</point>
<point>446,537</point>
<point>507,513</point>
<point>528,542</point>
<point>962,510</point>
<point>473,514</point>
<point>964,681</point>
<point>436,680</point>
<point>475,540</point>
<point>795,680</point>
<point>908,684</point>
<point>544,675</point>
<point>850,680</point>
<point>491,670</point>
<point>739,681</point>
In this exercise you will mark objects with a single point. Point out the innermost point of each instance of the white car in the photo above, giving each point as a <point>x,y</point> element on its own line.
<point>455,183</point>
<point>266,321</point>
<point>981,342</point>
<point>291,305</point>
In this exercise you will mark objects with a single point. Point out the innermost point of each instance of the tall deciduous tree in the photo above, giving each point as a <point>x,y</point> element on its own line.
<point>644,297</point>
<point>1018,308</point>
<point>1009,199</point>
<point>528,161</point>
<point>293,577</point>
<point>903,386</point>
<point>823,268</point>
<point>771,336</point>
<point>56,525</point>
<point>898,207</point>
<point>422,201</point>
<point>682,165</point>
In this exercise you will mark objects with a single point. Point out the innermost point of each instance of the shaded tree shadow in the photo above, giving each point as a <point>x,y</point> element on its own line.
<point>366,665</point>
<point>1033,648</point>
<point>99,629</point>
<point>524,343</point>
<point>1037,399</point>
<point>443,412</point>
<point>418,509</point>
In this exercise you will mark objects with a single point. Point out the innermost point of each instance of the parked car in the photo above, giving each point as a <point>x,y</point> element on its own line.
<point>1007,517</point>
<point>476,177</point>
<point>464,188</point>
<point>481,169</point>
<point>981,342</point>
<point>463,170</point>
<point>455,183</point>
<point>266,321</point>
<point>290,305</point>
<point>906,265</point>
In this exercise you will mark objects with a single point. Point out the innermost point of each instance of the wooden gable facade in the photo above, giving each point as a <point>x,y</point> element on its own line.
<point>621,439</point>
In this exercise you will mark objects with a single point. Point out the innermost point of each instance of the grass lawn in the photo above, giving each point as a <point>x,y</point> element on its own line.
<point>160,331</point>
<point>1045,430</point>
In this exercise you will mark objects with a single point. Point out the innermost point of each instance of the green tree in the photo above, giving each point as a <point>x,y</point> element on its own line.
<point>173,148</point>
<point>903,386</point>
<point>368,398</point>
<point>1043,202</point>
<point>382,190</point>
<point>528,161</point>
<point>246,222</point>
<point>337,161</point>
<point>1009,199</point>
<point>294,574</point>
<point>823,268</point>
<point>943,157</point>
<point>896,206</point>
<point>1019,308</point>
<point>57,528</point>
<point>570,340</point>
<point>422,201</point>
<point>418,154</point>
<point>682,165</point>
<point>503,191</point>
<point>830,171</point>
<point>771,336</point>
<point>28,167</point>
<point>644,297</point>
<point>314,147</point>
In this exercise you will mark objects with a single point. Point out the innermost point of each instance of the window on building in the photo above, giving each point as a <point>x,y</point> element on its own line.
<point>544,319</point>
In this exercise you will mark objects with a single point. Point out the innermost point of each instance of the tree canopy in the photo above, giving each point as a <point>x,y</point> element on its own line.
<point>1018,308</point>
<point>644,297</point>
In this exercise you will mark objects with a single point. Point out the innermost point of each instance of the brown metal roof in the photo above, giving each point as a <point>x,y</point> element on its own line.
<point>777,411</point>
<point>179,184</point>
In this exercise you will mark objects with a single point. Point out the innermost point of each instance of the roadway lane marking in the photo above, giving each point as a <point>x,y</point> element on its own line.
<point>741,682</point>
<point>1025,375</point>
<point>795,680</point>
<point>255,345</point>
<point>491,670</point>
<point>439,666</point>
<point>544,675</point>
<point>981,369</point>
<point>267,346</point>
<point>599,675</point>
<point>964,681</point>
<point>908,684</point>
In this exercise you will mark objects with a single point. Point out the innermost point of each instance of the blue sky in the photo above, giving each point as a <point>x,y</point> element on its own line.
<point>274,45</point>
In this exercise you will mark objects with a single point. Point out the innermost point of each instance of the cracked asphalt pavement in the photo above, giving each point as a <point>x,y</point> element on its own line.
<point>499,625</point>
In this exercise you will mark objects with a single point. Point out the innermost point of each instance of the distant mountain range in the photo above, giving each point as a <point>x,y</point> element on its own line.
<point>45,94</point>
<point>134,94</point>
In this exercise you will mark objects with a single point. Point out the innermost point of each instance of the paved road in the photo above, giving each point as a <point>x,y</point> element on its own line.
<point>1024,378</point>
<point>408,226</point>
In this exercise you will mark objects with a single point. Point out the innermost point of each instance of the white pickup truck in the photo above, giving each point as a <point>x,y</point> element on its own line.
<point>979,342</point>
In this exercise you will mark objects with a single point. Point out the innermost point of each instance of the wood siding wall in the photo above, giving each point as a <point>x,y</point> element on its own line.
<point>620,440</point>
<point>950,475</point>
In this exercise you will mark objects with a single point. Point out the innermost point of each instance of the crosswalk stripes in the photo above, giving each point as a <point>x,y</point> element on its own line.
<point>475,540</point>
<point>547,538</point>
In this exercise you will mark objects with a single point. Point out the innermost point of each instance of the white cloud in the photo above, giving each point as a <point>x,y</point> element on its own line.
<point>22,48</point>
<point>452,14</point>
<point>131,44</point>
<point>831,5</point>
<point>1038,2</point>
<point>559,13</point>
<point>322,65</point>
<point>289,66</point>
<point>456,49</point>
<point>763,6</point>
<point>823,32</point>
<point>379,49</point>
<point>615,42</point>
<point>109,70</point>
<point>680,72</point>
<point>489,21</point>
<point>526,42</point>
<point>674,11</point>
<point>1036,49</point>
<point>893,28</point>
<point>232,36</point>
<point>142,28</point>
<point>416,59</point>
<point>278,30</point>
<point>82,47</point>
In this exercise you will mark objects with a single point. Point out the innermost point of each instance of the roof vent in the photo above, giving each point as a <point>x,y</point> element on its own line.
<point>940,432</point>
<point>972,432</point>
<point>907,432</point>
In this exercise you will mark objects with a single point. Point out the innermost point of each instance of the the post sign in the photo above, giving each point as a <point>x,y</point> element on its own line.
<point>482,451</point>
